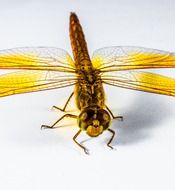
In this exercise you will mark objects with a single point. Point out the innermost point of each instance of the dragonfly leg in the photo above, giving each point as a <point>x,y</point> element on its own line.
<point>65,106</point>
<point>81,146</point>
<point>53,125</point>
<point>114,117</point>
<point>112,137</point>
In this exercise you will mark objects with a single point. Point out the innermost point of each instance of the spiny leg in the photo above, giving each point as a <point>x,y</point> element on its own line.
<point>110,140</point>
<point>114,117</point>
<point>81,146</point>
<point>52,126</point>
<point>65,106</point>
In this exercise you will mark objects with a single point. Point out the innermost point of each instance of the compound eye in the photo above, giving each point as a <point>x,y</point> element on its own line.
<point>84,116</point>
<point>105,116</point>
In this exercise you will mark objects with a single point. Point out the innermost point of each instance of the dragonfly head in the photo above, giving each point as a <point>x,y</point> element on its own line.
<point>94,120</point>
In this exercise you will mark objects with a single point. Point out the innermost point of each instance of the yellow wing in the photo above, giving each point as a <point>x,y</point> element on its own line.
<point>36,58</point>
<point>143,81</point>
<point>34,80</point>
<point>128,58</point>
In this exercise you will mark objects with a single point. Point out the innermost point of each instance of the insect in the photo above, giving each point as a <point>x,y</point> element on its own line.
<point>45,68</point>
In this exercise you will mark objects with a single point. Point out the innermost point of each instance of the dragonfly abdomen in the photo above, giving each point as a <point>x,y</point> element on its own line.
<point>78,42</point>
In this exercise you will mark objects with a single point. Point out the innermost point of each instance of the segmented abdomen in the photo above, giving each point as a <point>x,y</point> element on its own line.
<point>78,43</point>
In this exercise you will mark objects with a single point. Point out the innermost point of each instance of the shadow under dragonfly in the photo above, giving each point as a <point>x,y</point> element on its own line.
<point>140,119</point>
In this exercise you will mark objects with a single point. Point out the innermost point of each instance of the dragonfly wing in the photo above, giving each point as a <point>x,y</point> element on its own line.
<point>143,81</point>
<point>127,58</point>
<point>36,58</point>
<point>34,80</point>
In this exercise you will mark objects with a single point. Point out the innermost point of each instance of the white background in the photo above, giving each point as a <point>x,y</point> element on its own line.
<point>144,155</point>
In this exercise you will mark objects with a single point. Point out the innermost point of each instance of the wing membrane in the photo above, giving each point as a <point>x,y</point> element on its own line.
<point>128,58</point>
<point>36,58</point>
<point>32,81</point>
<point>143,81</point>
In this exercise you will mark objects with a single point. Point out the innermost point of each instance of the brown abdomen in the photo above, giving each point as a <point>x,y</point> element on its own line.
<point>78,43</point>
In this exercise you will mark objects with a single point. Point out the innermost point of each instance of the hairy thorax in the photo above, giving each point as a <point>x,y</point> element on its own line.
<point>89,90</point>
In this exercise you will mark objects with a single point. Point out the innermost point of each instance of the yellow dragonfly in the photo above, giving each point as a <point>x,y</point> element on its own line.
<point>45,68</point>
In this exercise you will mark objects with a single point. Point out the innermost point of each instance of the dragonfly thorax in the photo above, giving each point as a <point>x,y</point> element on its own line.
<point>87,73</point>
<point>94,120</point>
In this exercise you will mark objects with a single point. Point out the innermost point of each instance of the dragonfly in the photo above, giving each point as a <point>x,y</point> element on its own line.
<point>46,68</point>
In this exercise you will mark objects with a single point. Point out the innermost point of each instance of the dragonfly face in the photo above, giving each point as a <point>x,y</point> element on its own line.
<point>94,121</point>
